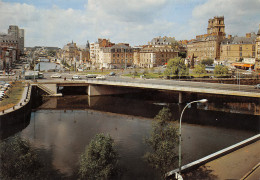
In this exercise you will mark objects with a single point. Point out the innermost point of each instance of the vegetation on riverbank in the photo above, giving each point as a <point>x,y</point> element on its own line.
<point>14,95</point>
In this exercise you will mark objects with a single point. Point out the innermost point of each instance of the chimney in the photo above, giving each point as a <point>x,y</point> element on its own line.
<point>229,36</point>
<point>248,35</point>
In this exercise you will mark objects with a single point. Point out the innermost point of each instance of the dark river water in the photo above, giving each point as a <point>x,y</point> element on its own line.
<point>62,127</point>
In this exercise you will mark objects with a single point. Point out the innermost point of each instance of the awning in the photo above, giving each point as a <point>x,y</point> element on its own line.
<point>242,65</point>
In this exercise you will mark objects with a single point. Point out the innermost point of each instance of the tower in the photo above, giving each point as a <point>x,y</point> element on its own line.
<point>216,26</point>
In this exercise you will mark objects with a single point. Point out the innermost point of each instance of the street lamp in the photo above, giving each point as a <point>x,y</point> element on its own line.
<point>198,101</point>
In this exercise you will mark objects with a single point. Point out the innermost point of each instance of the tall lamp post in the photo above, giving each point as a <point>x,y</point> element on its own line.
<point>198,101</point>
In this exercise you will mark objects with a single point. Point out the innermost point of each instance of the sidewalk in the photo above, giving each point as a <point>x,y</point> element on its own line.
<point>231,166</point>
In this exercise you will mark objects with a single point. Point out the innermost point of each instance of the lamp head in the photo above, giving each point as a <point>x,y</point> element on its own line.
<point>203,100</point>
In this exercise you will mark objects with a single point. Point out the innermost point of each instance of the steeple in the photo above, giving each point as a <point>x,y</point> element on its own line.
<point>258,31</point>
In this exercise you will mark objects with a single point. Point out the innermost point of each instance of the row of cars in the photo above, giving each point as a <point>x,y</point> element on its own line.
<point>75,77</point>
<point>101,77</point>
<point>3,90</point>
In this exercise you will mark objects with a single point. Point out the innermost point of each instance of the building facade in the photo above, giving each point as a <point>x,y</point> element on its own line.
<point>12,46</point>
<point>95,50</point>
<point>208,45</point>
<point>118,56</point>
<point>257,50</point>
<point>162,41</point>
<point>153,56</point>
<point>234,49</point>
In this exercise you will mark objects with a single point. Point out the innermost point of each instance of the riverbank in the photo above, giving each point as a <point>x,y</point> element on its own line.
<point>19,111</point>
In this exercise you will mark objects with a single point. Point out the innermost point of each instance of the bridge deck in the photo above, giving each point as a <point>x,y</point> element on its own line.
<point>174,85</point>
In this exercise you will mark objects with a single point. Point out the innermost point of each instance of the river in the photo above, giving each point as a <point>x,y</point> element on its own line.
<point>62,128</point>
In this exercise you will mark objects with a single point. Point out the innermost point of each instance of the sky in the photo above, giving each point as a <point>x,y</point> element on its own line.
<point>58,22</point>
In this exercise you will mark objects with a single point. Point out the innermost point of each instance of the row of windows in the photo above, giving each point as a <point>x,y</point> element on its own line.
<point>9,41</point>
<point>121,50</point>
<point>122,55</point>
<point>253,54</point>
<point>121,61</point>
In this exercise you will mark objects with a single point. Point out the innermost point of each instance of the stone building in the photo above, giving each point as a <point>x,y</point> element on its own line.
<point>18,35</point>
<point>153,56</point>
<point>117,56</point>
<point>12,46</point>
<point>162,41</point>
<point>76,56</point>
<point>234,49</point>
<point>95,49</point>
<point>257,49</point>
<point>208,45</point>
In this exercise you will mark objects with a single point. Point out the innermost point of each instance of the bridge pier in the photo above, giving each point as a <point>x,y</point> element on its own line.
<point>180,97</point>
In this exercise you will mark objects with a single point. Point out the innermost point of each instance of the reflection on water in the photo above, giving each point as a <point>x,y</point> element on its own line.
<point>235,107</point>
<point>214,114</point>
<point>7,130</point>
<point>62,127</point>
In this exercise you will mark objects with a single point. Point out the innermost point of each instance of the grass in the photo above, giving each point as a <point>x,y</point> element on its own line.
<point>14,96</point>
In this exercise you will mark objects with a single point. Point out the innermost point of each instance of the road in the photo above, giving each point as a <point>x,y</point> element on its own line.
<point>163,82</point>
<point>231,87</point>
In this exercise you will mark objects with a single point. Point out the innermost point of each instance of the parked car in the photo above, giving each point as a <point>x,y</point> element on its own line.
<point>112,74</point>
<point>56,76</point>
<point>3,89</point>
<point>76,77</point>
<point>101,77</point>
<point>257,86</point>
<point>7,85</point>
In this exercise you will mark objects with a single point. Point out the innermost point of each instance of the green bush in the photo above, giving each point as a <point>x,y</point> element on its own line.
<point>100,160</point>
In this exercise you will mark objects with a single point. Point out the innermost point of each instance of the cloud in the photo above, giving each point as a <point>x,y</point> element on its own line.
<point>240,16</point>
<point>130,21</point>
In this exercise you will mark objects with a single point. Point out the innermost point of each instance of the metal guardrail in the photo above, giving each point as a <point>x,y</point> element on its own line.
<point>215,155</point>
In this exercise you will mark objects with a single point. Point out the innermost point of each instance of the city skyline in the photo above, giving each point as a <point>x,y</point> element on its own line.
<point>55,23</point>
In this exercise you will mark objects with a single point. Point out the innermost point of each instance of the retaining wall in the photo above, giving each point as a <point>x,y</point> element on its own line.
<point>18,113</point>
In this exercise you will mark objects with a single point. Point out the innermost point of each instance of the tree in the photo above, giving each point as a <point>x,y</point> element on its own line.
<point>207,62</point>
<point>200,69</point>
<point>19,160</point>
<point>176,66</point>
<point>183,54</point>
<point>163,142</point>
<point>222,70</point>
<point>100,160</point>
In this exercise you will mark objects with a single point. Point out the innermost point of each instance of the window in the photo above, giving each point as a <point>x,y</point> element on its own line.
<point>240,48</point>
<point>240,54</point>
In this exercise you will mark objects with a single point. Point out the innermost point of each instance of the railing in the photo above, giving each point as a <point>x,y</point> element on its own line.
<point>44,88</point>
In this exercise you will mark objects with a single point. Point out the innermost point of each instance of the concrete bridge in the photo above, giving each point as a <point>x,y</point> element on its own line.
<point>95,87</point>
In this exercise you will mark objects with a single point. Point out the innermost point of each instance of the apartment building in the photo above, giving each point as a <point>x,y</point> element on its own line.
<point>257,51</point>
<point>12,46</point>
<point>162,41</point>
<point>95,50</point>
<point>117,56</point>
<point>234,49</point>
<point>153,56</point>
